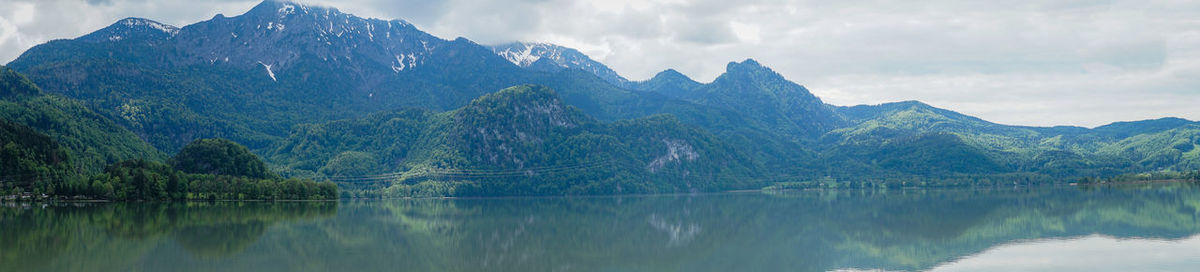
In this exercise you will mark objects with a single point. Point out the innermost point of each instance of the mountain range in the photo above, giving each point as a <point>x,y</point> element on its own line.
<point>382,106</point>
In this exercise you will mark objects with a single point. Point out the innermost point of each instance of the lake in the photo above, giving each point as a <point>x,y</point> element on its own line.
<point>1030,229</point>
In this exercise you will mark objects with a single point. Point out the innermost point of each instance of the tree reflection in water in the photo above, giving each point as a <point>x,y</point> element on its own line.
<point>99,236</point>
<point>793,231</point>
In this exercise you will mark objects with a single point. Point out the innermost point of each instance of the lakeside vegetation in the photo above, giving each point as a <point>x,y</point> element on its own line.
<point>207,169</point>
<point>30,158</point>
<point>1193,176</point>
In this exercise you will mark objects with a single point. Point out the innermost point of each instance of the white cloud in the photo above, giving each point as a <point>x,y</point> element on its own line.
<point>1029,63</point>
<point>39,21</point>
<point>746,32</point>
<point>1088,253</point>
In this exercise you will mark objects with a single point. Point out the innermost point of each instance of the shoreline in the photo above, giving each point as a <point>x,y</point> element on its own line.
<point>1134,182</point>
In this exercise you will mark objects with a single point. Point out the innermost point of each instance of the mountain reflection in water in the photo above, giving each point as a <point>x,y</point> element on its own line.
<point>793,231</point>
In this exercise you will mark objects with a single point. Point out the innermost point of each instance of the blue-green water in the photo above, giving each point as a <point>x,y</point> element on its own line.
<point>1147,228</point>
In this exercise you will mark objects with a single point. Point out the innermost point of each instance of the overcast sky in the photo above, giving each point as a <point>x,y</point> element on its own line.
<point>1067,62</point>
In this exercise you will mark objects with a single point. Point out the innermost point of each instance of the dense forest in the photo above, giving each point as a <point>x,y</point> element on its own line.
<point>207,169</point>
<point>29,159</point>
<point>56,146</point>
<point>521,140</point>
<point>93,140</point>
<point>145,180</point>
<point>35,164</point>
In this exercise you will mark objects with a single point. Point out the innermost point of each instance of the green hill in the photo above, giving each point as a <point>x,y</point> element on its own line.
<point>206,169</point>
<point>519,141</point>
<point>1151,145</point>
<point>1176,149</point>
<point>220,157</point>
<point>92,140</point>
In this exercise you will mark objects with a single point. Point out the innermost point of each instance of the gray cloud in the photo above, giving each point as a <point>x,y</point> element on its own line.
<point>1037,63</point>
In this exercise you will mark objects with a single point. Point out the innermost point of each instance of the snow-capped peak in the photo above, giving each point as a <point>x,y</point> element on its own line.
<point>287,9</point>
<point>525,54</point>
<point>284,9</point>
<point>134,29</point>
<point>132,22</point>
<point>551,57</point>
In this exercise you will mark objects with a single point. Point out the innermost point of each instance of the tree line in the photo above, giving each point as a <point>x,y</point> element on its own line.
<point>206,169</point>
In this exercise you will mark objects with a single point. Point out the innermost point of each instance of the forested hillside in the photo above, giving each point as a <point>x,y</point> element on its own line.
<point>521,140</point>
<point>57,146</point>
<point>92,140</point>
<point>28,159</point>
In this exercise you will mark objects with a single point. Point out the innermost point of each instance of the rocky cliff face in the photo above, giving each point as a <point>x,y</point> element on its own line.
<point>678,151</point>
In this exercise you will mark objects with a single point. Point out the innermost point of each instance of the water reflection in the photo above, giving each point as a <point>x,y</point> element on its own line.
<point>799,231</point>
<point>1088,253</point>
<point>107,237</point>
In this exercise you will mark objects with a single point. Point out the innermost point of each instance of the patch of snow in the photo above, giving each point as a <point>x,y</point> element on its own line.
<point>115,38</point>
<point>521,58</point>
<point>269,72</point>
<point>370,32</point>
<point>274,26</point>
<point>533,52</point>
<point>132,22</point>
<point>399,61</point>
<point>287,9</point>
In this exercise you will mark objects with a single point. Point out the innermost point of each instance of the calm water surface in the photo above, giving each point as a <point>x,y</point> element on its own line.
<point>1148,228</point>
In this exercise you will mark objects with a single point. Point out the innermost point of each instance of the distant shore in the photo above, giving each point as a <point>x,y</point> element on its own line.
<point>1134,182</point>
